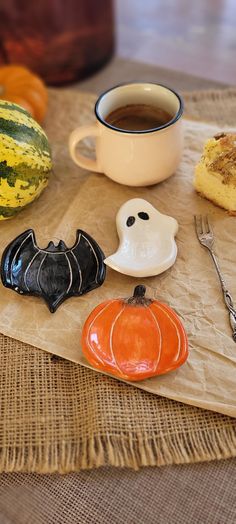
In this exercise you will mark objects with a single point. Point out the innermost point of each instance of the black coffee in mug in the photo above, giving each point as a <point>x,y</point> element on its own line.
<point>138,117</point>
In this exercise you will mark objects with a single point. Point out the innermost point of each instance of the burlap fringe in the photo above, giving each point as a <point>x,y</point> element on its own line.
<point>123,451</point>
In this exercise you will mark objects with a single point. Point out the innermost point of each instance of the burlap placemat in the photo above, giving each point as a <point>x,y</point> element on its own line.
<point>57,416</point>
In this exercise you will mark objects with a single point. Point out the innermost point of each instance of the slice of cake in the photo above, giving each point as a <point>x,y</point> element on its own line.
<point>215,174</point>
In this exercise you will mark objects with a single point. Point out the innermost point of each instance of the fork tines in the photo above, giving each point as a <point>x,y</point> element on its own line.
<point>202,224</point>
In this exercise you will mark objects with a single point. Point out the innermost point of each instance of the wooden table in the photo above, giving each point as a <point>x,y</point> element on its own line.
<point>182,35</point>
<point>193,494</point>
<point>120,70</point>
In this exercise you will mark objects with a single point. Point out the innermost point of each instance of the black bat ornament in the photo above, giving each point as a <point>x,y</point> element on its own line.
<point>54,273</point>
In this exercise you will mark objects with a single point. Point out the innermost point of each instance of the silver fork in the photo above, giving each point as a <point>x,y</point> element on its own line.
<point>206,239</point>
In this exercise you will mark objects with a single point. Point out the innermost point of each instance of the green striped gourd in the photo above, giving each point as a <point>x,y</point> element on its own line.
<point>25,159</point>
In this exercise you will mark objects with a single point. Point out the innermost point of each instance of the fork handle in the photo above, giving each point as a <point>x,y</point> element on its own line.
<point>227,296</point>
<point>232,319</point>
<point>215,260</point>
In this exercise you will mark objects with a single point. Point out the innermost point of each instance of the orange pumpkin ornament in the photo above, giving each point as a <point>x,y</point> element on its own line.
<point>134,338</point>
<point>19,85</point>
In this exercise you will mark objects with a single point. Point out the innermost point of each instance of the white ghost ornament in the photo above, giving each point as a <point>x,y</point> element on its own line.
<point>147,240</point>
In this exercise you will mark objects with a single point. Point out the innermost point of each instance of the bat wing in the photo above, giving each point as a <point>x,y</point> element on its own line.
<point>19,264</point>
<point>29,270</point>
<point>90,263</point>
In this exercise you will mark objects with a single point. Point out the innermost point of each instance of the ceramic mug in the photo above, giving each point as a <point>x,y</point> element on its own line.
<point>133,158</point>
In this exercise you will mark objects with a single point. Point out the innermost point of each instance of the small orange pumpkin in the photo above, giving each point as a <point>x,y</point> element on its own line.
<point>134,339</point>
<point>19,85</point>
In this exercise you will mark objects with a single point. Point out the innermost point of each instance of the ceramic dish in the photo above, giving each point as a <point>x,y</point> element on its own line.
<point>134,338</point>
<point>147,240</point>
<point>54,273</point>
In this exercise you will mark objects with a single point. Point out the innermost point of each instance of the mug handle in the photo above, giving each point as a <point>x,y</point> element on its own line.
<point>75,137</point>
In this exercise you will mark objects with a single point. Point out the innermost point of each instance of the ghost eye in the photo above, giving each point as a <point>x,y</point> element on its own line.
<point>130,221</point>
<point>143,215</point>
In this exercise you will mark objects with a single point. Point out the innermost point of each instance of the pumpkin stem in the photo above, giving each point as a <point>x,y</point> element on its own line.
<point>138,298</point>
<point>139,291</point>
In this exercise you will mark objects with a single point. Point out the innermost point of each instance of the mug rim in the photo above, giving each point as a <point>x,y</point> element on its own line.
<point>175,118</point>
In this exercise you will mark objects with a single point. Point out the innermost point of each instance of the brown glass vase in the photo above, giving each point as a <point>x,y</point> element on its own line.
<point>61,40</point>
